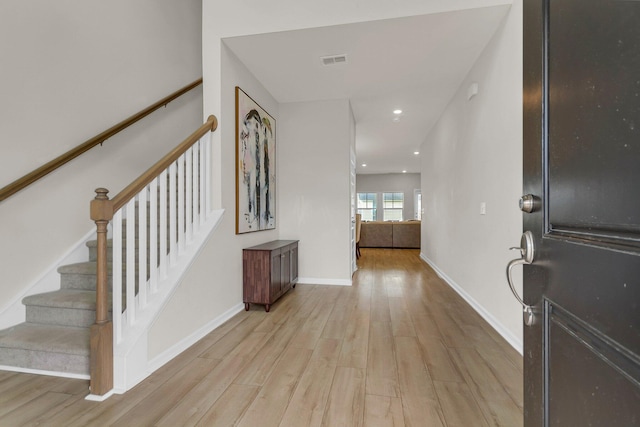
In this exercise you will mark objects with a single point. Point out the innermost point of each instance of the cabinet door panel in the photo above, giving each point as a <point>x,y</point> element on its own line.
<point>286,270</point>
<point>276,275</point>
<point>256,267</point>
<point>294,264</point>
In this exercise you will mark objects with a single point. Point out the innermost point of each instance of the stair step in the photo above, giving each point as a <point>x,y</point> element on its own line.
<point>65,307</point>
<point>93,250</point>
<point>82,275</point>
<point>46,347</point>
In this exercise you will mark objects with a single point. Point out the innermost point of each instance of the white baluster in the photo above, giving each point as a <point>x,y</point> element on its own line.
<point>142,248</point>
<point>207,159</point>
<point>202,173</point>
<point>181,204</point>
<point>116,275</point>
<point>173,217</point>
<point>153,237</point>
<point>195,189</point>
<point>130,281</point>
<point>188,194</point>
<point>163,224</point>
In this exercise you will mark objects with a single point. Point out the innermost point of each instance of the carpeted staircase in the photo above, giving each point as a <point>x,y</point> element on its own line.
<point>55,336</point>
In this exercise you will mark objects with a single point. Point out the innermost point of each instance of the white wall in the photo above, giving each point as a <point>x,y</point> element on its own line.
<point>391,182</point>
<point>69,71</point>
<point>312,206</point>
<point>214,283</point>
<point>474,155</point>
<point>314,189</point>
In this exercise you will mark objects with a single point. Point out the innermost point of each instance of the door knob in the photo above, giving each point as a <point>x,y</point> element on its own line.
<point>527,253</point>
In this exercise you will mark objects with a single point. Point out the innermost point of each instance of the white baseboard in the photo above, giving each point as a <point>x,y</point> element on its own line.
<point>514,341</point>
<point>44,372</point>
<point>314,281</point>
<point>167,355</point>
<point>98,398</point>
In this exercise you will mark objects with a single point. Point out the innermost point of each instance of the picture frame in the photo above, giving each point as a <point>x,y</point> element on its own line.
<point>255,166</point>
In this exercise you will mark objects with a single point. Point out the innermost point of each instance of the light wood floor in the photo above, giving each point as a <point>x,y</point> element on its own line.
<point>399,348</point>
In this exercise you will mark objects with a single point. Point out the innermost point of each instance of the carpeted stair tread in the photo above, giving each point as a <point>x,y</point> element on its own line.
<point>63,298</point>
<point>91,244</point>
<point>87,267</point>
<point>46,338</point>
<point>64,307</point>
<point>93,250</point>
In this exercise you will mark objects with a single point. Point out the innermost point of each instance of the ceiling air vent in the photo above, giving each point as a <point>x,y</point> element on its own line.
<point>333,59</point>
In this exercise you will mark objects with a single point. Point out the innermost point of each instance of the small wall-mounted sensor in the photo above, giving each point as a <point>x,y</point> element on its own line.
<point>334,59</point>
<point>472,91</point>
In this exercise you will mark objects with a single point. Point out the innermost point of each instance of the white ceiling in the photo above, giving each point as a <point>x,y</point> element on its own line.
<point>415,64</point>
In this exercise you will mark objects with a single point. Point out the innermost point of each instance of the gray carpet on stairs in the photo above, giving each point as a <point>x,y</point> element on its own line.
<point>45,347</point>
<point>55,336</point>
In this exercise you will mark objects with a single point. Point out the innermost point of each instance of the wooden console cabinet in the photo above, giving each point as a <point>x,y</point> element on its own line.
<point>269,270</point>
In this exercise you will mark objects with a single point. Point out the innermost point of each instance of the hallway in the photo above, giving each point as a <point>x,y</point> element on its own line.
<point>397,348</point>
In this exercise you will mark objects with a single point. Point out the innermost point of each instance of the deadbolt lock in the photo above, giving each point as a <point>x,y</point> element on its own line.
<point>528,203</point>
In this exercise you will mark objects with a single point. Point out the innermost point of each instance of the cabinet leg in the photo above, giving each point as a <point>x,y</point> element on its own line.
<point>267,308</point>
<point>294,286</point>
<point>246,306</point>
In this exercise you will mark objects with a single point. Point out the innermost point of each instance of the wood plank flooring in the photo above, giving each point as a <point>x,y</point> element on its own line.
<point>399,348</point>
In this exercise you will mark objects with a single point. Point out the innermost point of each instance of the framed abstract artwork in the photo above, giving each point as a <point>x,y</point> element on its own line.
<point>255,166</point>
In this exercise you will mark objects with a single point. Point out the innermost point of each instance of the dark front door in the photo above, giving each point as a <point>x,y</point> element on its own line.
<point>582,165</point>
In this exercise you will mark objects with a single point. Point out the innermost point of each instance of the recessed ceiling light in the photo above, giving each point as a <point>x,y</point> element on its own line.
<point>364,165</point>
<point>397,111</point>
<point>416,152</point>
<point>404,171</point>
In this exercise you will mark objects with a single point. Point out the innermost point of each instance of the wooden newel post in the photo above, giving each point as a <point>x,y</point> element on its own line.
<point>101,364</point>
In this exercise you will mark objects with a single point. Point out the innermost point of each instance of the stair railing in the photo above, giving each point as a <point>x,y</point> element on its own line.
<point>47,168</point>
<point>163,208</point>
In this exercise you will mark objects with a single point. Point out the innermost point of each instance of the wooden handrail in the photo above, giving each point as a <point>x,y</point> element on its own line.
<point>54,164</point>
<point>102,212</point>
<point>136,186</point>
